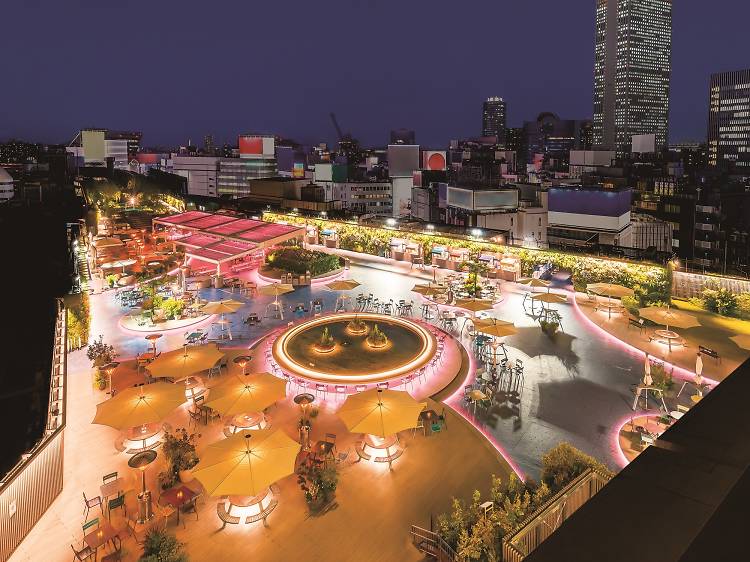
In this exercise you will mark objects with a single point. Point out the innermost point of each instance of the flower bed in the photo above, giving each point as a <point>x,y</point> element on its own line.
<point>300,261</point>
<point>651,283</point>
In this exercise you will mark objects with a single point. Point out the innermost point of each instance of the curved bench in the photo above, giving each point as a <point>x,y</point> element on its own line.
<point>390,458</point>
<point>263,514</point>
<point>225,516</point>
<point>359,447</point>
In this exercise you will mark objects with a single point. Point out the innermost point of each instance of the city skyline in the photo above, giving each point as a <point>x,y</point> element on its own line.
<point>291,92</point>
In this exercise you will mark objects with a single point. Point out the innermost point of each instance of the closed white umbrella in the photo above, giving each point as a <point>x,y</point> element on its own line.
<point>698,365</point>
<point>647,379</point>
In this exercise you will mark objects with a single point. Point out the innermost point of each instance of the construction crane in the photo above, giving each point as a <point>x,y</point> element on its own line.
<point>342,136</point>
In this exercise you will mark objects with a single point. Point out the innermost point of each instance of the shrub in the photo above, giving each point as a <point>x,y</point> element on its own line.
<point>661,378</point>
<point>161,546</point>
<point>300,261</point>
<point>179,452</point>
<point>719,300</point>
<point>743,305</point>
<point>631,304</point>
<point>172,308</point>
<point>100,353</point>
<point>564,462</point>
<point>78,318</point>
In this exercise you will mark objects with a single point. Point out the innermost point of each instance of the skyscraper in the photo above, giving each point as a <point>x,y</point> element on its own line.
<point>633,59</point>
<point>729,121</point>
<point>493,118</point>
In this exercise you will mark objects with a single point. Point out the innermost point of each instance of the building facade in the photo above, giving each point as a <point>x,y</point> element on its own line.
<point>632,68</point>
<point>493,118</point>
<point>729,121</point>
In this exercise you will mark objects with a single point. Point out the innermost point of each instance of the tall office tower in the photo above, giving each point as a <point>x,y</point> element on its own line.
<point>493,119</point>
<point>633,59</point>
<point>729,121</point>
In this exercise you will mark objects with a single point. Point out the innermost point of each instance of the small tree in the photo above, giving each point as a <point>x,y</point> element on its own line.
<point>100,353</point>
<point>162,547</point>
<point>563,463</point>
<point>179,451</point>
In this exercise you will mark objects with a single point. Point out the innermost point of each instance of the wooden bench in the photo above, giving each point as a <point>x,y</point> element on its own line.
<point>225,516</point>
<point>263,514</point>
<point>359,447</point>
<point>637,322</point>
<point>390,458</point>
<point>710,352</point>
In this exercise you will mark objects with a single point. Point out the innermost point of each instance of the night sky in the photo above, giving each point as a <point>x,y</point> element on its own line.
<point>179,70</point>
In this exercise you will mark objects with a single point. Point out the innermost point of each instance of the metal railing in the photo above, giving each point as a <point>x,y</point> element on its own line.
<point>30,487</point>
<point>431,544</point>
<point>547,519</point>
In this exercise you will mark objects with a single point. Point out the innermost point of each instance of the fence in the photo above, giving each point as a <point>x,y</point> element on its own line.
<point>686,285</point>
<point>31,486</point>
<point>545,520</point>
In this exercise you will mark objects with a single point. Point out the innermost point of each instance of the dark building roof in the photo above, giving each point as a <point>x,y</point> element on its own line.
<point>685,499</point>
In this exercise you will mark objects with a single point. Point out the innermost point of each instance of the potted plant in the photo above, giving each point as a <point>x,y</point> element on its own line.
<point>356,327</point>
<point>161,546</point>
<point>180,455</point>
<point>100,353</point>
<point>111,279</point>
<point>100,379</point>
<point>318,484</point>
<point>377,338</point>
<point>549,328</point>
<point>326,342</point>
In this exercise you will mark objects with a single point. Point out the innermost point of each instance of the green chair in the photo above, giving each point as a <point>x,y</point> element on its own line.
<point>436,427</point>
<point>88,525</point>
<point>119,501</point>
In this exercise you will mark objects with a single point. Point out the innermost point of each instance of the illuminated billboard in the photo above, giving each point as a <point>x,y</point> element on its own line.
<point>403,159</point>
<point>434,160</point>
<point>299,170</point>
<point>94,147</point>
<point>255,146</point>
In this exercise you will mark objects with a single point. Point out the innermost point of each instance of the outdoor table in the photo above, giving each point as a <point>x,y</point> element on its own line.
<point>148,356</point>
<point>668,335</point>
<point>143,432</point>
<point>194,336</point>
<point>100,536</point>
<point>177,497</point>
<point>247,421</point>
<point>226,331</point>
<point>676,414</point>
<point>247,501</point>
<point>380,443</point>
<point>111,488</point>
<point>428,417</point>
<point>194,387</point>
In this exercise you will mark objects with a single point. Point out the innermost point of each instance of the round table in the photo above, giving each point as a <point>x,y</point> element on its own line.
<point>667,335</point>
<point>375,442</point>
<point>247,421</point>
<point>194,387</point>
<point>143,432</point>
<point>247,501</point>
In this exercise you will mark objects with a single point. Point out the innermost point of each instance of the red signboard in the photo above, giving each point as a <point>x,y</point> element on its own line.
<point>251,145</point>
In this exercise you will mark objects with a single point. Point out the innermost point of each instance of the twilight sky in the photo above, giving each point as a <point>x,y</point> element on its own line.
<point>179,70</point>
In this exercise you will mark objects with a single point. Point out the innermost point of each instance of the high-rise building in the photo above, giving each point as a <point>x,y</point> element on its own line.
<point>403,136</point>
<point>729,121</point>
<point>633,57</point>
<point>493,118</point>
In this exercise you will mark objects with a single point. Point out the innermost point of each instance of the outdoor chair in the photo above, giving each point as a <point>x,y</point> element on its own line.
<point>321,388</point>
<point>109,477</point>
<point>89,525</point>
<point>331,438</point>
<point>420,425</point>
<point>340,389</point>
<point>442,419</point>
<point>191,507</point>
<point>89,503</point>
<point>119,501</point>
<point>84,554</point>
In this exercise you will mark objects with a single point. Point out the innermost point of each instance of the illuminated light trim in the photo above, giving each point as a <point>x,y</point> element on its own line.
<point>620,457</point>
<point>454,401</point>
<point>283,359</point>
<point>681,372</point>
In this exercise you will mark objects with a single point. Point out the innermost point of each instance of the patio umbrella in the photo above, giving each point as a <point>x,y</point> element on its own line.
<point>611,290</point>
<point>533,282</point>
<point>181,363</point>
<point>343,285</point>
<point>698,365</point>
<point>107,243</point>
<point>246,463</point>
<point>222,307</point>
<point>118,263</point>
<point>495,327</point>
<point>550,298</point>
<point>669,317</point>
<point>742,341</point>
<point>246,393</point>
<point>428,290</point>
<point>139,405</point>
<point>275,289</point>
<point>380,412</point>
<point>127,280</point>
<point>474,305</point>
